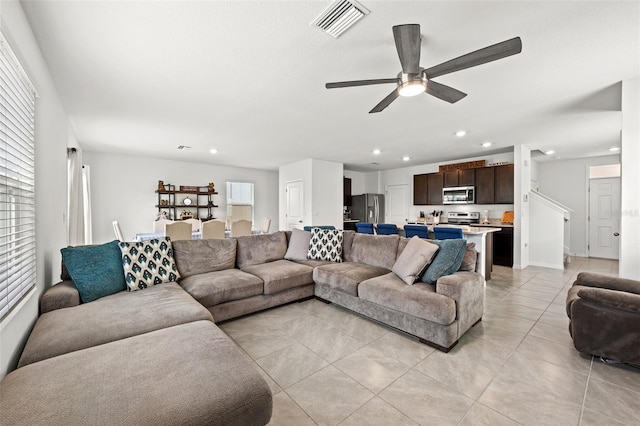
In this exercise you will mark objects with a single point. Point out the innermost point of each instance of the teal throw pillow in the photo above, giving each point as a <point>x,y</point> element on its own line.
<point>447,260</point>
<point>96,270</point>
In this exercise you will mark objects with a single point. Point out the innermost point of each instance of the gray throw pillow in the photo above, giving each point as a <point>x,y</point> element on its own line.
<point>469,259</point>
<point>415,257</point>
<point>298,245</point>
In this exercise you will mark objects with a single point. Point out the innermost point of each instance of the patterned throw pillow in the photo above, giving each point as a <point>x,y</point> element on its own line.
<point>325,244</point>
<point>148,263</point>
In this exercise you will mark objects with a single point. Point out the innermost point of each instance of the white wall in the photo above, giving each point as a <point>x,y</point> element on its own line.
<point>357,181</point>
<point>51,136</point>
<point>323,191</point>
<point>630,181</point>
<point>327,190</point>
<point>521,222</point>
<point>404,176</point>
<point>567,182</point>
<point>123,188</point>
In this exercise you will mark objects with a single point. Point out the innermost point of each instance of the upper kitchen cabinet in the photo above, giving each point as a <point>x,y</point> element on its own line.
<point>461,177</point>
<point>503,184</point>
<point>346,191</point>
<point>435,183</point>
<point>420,190</point>
<point>485,181</point>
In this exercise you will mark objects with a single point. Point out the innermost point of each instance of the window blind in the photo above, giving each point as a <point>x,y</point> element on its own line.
<point>17,184</point>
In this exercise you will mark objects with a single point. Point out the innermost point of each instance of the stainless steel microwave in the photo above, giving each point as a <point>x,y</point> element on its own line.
<point>459,195</point>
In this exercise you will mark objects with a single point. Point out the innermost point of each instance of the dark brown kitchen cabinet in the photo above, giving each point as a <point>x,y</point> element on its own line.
<point>420,190</point>
<point>485,181</point>
<point>503,247</point>
<point>503,184</point>
<point>434,188</point>
<point>346,191</point>
<point>463,177</point>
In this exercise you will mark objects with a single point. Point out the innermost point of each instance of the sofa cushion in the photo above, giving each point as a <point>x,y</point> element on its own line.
<point>188,374</point>
<point>419,300</point>
<point>259,249</point>
<point>110,318</point>
<point>213,288</point>
<point>96,270</point>
<point>200,256</point>
<point>414,259</point>
<point>447,260</point>
<point>281,275</point>
<point>325,244</point>
<point>347,242</point>
<point>298,245</point>
<point>314,263</point>
<point>375,250</point>
<point>346,276</point>
<point>469,259</point>
<point>148,263</point>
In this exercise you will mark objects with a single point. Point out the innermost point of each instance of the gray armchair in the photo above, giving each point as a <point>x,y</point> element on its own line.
<point>605,317</point>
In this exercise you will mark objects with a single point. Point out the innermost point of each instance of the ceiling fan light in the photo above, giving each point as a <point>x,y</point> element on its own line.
<point>411,88</point>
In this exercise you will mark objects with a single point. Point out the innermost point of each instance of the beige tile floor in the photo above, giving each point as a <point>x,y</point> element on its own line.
<point>328,366</point>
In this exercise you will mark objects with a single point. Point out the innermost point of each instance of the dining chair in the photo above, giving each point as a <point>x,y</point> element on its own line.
<point>213,230</point>
<point>117,230</point>
<point>178,231</point>
<point>196,224</point>
<point>420,230</point>
<point>364,227</point>
<point>446,233</point>
<point>265,224</point>
<point>310,227</point>
<point>240,228</point>
<point>158,225</point>
<point>387,229</point>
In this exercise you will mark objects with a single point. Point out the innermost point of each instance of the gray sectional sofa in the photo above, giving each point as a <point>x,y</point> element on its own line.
<point>156,357</point>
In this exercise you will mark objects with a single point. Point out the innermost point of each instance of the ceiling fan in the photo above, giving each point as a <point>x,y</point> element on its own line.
<point>414,80</point>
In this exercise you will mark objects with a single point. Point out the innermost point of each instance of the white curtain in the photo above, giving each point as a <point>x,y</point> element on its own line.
<point>78,200</point>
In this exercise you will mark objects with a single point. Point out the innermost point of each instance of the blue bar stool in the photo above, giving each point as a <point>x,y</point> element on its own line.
<point>387,229</point>
<point>445,233</point>
<point>364,228</point>
<point>420,230</point>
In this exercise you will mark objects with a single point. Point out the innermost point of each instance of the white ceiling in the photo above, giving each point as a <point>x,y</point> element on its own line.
<point>247,78</point>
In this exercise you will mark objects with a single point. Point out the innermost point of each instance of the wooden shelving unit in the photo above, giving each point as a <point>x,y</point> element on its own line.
<point>172,200</point>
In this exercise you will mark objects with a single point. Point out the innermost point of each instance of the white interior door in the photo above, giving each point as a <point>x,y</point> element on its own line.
<point>295,204</point>
<point>604,218</point>
<point>397,204</point>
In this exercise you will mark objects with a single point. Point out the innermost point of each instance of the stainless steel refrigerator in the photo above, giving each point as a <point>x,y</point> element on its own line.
<point>368,208</point>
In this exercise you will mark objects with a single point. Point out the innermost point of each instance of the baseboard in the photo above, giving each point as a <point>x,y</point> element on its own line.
<point>547,265</point>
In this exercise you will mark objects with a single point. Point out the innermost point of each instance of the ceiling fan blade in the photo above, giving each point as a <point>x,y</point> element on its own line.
<point>407,39</point>
<point>385,102</point>
<point>479,57</point>
<point>443,92</point>
<point>339,84</point>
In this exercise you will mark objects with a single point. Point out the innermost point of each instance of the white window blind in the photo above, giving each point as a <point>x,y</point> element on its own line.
<point>239,201</point>
<point>17,197</point>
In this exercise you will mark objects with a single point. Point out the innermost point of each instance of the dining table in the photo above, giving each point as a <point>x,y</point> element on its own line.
<point>197,235</point>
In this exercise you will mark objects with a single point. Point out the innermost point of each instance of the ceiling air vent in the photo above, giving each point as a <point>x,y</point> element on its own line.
<point>184,147</point>
<point>339,17</point>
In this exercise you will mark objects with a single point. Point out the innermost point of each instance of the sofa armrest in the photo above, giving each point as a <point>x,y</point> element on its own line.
<point>621,300</point>
<point>589,279</point>
<point>61,295</point>
<point>467,289</point>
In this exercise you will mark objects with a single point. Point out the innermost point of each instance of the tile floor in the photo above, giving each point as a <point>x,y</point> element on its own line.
<point>328,366</point>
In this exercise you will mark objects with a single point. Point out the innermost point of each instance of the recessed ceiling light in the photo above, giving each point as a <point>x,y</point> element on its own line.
<point>486,144</point>
<point>461,133</point>
<point>213,151</point>
<point>376,152</point>
<point>614,148</point>
<point>406,158</point>
<point>549,152</point>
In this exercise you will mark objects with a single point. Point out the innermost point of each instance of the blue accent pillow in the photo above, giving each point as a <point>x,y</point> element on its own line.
<point>96,271</point>
<point>447,260</point>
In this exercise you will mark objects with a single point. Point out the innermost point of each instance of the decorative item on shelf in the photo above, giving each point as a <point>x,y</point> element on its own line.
<point>193,189</point>
<point>212,187</point>
<point>160,185</point>
<point>186,215</point>
<point>162,215</point>
<point>164,202</point>
<point>187,201</point>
